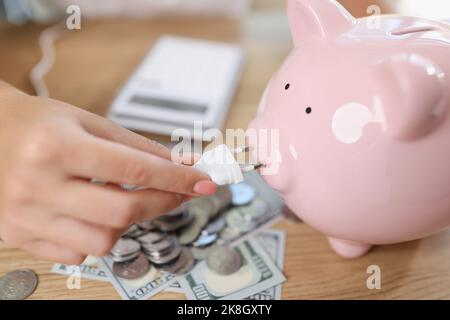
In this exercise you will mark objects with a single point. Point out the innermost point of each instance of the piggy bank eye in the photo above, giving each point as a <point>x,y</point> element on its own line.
<point>308,110</point>
<point>287,86</point>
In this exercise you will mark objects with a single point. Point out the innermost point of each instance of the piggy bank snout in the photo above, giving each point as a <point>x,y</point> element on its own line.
<point>263,138</point>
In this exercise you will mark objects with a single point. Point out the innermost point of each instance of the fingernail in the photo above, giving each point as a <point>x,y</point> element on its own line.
<point>205,187</point>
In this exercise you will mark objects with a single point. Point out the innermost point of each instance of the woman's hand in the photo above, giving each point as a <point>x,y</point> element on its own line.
<point>50,151</point>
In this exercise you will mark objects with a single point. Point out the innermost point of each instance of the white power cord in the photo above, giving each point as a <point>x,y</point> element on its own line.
<point>47,43</point>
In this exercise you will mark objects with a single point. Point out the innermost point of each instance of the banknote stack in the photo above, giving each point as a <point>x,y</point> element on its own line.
<point>215,247</point>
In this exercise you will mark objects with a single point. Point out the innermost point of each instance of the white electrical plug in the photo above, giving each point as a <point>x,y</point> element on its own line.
<point>221,166</point>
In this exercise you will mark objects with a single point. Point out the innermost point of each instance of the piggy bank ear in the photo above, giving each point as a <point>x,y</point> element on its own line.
<point>317,18</point>
<point>411,96</point>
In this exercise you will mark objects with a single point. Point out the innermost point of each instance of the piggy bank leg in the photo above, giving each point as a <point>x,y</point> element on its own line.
<point>349,249</point>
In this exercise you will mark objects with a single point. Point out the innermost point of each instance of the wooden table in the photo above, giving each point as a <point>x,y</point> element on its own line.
<point>91,66</point>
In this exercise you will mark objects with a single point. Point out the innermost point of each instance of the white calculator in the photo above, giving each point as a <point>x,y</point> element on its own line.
<point>180,82</point>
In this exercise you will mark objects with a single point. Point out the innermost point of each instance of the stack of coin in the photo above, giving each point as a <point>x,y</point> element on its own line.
<point>133,232</point>
<point>205,210</point>
<point>174,241</point>
<point>147,225</point>
<point>132,269</point>
<point>125,250</point>
<point>160,248</point>
<point>165,253</point>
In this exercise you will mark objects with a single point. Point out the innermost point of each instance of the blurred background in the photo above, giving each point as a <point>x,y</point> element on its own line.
<point>93,64</point>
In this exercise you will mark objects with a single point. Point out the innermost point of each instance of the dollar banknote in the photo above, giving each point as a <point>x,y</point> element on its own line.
<point>90,269</point>
<point>273,242</point>
<point>175,287</point>
<point>257,273</point>
<point>138,289</point>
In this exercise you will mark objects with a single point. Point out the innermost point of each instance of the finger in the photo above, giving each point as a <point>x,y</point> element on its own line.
<point>109,161</point>
<point>106,129</point>
<point>75,234</point>
<point>186,158</point>
<point>51,251</point>
<point>113,207</point>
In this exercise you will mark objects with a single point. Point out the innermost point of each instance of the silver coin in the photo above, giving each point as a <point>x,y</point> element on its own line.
<point>133,269</point>
<point>151,237</point>
<point>239,219</point>
<point>222,198</point>
<point>224,260</point>
<point>131,229</point>
<point>234,218</point>
<point>125,258</point>
<point>188,265</point>
<point>192,231</point>
<point>242,193</point>
<point>133,232</point>
<point>248,223</point>
<point>165,243</point>
<point>229,234</point>
<point>206,240</point>
<point>215,226</point>
<point>147,225</point>
<point>18,284</point>
<point>178,211</point>
<point>258,208</point>
<point>125,247</point>
<point>172,255</point>
<point>171,226</point>
<point>202,206</point>
<point>202,253</point>
<point>173,266</point>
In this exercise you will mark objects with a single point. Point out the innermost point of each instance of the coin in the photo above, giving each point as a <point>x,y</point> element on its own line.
<point>229,234</point>
<point>131,229</point>
<point>189,263</point>
<point>162,245</point>
<point>125,249</point>
<point>133,232</point>
<point>133,269</point>
<point>18,284</point>
<point>191,232</point>
<point>151,237</point>
<point>202,253</point>
<point>147,225</point>
<point>167,257</point>
<point>234,218</point>
<point>178,211</point>
<point>205,240</point>
<point>242,194</point>
<point>215,226</point>
<point>222,198</point>
<point>224,260</point>
<point>202,206</point>
<point>258,208</point>
<point>183,263</point>
<point>172,225</point>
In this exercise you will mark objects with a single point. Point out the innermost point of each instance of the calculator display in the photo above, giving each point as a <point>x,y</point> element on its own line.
<point>169,104</point>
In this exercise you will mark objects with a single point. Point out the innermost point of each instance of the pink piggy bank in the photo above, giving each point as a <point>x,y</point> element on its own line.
<point>360,109</point>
